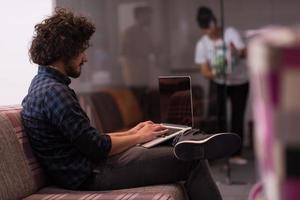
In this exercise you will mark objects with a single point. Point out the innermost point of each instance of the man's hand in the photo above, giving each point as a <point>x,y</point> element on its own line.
<point>136,128</point>
<point>150,131</point>
<point>141,133</point>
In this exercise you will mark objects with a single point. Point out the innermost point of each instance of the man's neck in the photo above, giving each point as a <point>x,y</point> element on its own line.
<point>59,66</point>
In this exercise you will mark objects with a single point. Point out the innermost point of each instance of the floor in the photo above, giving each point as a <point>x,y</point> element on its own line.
<point>235,181</point>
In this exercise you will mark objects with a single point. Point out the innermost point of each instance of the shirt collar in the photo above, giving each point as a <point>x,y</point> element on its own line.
<point>53,73</point>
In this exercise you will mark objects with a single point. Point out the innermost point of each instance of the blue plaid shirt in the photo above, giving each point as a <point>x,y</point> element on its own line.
<point>59,131</point>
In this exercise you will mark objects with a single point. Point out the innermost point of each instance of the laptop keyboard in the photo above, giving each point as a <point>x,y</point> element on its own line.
<point>164,137</point>
<point>170,132</point>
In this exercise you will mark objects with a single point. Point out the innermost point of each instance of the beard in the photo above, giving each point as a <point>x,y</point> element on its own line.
<point>72,70</point>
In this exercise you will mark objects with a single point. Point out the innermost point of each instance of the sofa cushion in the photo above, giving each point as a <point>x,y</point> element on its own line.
<point>157,192</point>
<point>20,174</point>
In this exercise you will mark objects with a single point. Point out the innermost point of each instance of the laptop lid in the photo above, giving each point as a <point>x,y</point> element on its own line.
<point>175,94</point>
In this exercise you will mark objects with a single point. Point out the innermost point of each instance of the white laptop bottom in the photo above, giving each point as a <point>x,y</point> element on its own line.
<point>174,130</point>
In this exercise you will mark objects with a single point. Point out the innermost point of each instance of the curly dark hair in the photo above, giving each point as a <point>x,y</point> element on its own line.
<point>62,36</point>
<point>205,16</point>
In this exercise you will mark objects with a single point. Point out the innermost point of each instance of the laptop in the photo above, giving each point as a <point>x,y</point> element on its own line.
<point>176,107</point>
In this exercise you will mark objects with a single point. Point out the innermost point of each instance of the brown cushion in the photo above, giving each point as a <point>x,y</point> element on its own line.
<point>128,105</point>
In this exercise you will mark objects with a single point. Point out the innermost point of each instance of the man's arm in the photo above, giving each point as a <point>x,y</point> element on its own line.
<point>64,112</point>
<point>132,130</point>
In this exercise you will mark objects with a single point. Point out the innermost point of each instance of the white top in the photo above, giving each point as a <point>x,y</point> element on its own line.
<point>212,52</point>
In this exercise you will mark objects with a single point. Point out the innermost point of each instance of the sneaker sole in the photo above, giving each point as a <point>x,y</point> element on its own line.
<point>220,145</point>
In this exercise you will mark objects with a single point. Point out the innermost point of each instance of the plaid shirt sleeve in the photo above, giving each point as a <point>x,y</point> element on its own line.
<point>64,111</point>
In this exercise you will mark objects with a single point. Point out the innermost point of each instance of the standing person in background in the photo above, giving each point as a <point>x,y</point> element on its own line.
<point>137,49</point>
<point>220,58</point>
<point>139,56</point>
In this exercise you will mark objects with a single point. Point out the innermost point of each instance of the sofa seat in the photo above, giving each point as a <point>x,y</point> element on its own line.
<point>157,192</point>
<point>21,176</point>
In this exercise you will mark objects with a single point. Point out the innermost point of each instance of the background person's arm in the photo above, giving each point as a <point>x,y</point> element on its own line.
<point>239,53</point>
<point>243,53</point>
<point>236,43</point>
<point>206,71</point>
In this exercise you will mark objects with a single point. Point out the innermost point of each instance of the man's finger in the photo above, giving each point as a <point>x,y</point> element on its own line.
<point>161,132</point>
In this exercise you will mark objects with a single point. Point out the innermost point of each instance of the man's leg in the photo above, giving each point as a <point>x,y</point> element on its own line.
<point>140,166</point>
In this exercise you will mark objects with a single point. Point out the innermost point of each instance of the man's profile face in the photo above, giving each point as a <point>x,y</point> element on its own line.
<point>73,66</point>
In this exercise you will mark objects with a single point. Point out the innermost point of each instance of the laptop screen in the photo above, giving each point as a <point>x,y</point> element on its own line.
<point>176,100</point>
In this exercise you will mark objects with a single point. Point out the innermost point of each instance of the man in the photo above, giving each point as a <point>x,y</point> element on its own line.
<point>220,61</point>
<point>75,155</point>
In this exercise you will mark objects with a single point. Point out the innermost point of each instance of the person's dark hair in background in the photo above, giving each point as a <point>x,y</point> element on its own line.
<point>63,36</point>
<point>205,17</point>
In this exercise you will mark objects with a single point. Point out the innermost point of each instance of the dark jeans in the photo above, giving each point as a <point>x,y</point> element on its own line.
<point>237,94</point>
<point>140,166</point>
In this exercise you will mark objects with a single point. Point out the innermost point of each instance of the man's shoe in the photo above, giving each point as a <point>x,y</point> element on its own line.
<point>206,146</point>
